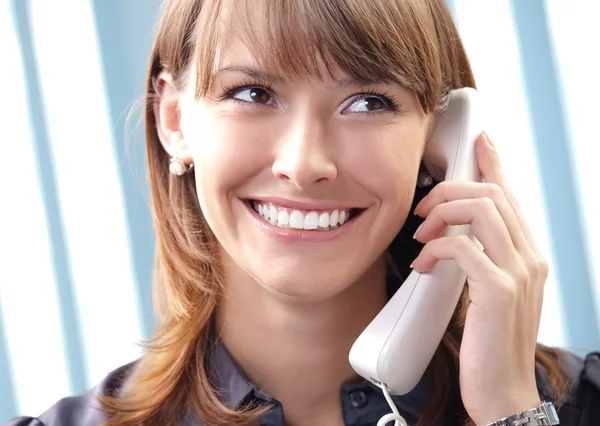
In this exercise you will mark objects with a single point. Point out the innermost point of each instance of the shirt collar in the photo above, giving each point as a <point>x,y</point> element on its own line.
<point>233,388</point>
<point>230,384</point>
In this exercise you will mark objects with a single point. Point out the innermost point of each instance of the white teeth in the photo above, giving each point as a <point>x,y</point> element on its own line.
<point>324,220</point>
<point>311,220</point>
<point>333,219</point>
<point>273,215</point>
<point>297,219</point>
<point>283,218</point>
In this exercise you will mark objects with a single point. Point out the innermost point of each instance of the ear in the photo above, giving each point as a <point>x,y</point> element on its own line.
<point>168,118</point>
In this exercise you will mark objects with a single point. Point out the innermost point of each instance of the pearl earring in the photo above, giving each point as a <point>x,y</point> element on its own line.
<point>178,167</point>
<point>424,180</point>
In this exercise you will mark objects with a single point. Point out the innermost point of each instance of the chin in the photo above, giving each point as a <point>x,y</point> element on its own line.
<point>305,288</point>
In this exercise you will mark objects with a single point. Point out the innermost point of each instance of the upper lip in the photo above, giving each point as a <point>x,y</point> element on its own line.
<point>300,205</point>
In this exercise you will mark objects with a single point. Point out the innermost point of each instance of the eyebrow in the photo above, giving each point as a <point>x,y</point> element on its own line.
<point>252,72</point>
<point>261,75</point>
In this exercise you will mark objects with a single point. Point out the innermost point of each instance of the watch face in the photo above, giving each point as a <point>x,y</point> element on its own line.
<point>551,413</point>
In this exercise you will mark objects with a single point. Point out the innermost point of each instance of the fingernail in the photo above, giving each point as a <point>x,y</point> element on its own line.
<point>489,141</point>
<point>416,232</point>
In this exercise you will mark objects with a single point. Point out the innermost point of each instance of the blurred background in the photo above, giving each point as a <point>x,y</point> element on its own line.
<point>76,241</point>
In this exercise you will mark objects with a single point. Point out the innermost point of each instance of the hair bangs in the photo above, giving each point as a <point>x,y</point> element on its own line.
<point>375,41</point>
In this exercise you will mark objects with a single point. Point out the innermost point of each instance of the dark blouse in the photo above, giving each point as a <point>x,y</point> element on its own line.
<point>363,404</point>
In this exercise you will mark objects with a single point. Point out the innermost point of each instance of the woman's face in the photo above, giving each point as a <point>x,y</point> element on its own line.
<point>275,159</point>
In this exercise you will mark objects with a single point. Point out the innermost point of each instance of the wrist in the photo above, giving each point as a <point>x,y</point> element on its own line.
<point>543,415</point>
<point>506,408</point>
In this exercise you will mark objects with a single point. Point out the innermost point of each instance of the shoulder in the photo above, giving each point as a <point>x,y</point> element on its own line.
<point>82,410</point>
<point>582,407</point>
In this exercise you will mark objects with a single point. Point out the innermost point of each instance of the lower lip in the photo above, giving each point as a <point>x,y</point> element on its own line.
<point>301,235</point>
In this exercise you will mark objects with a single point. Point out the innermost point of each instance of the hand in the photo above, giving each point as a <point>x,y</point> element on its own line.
<point>505,283</point>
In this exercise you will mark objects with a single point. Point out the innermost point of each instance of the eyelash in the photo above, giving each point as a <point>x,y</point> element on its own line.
<point>391,101</point>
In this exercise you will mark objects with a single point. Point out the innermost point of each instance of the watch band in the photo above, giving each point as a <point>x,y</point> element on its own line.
<point>544,415</point>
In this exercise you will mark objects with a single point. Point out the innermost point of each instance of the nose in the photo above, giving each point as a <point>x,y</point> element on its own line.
<point>305,156</point>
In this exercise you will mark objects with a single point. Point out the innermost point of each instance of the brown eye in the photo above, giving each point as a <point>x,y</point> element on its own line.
<point>251,95</point>
<point>369,103</point>
<point>259,95</point>
<point>374,104</point>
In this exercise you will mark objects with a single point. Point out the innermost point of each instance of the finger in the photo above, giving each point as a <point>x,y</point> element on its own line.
<point>470,259</point>
<point>488,284</point>
<point>491,170</point>
<point>486,224</point>
<point>451,191</point>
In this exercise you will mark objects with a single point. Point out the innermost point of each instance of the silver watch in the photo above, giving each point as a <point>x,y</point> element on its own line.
<point>543,415</point>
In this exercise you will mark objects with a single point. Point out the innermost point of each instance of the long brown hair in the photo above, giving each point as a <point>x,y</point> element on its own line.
<point>411,42</point>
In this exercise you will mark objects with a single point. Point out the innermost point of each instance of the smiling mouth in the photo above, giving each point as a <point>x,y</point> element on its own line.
<point>312,220</point>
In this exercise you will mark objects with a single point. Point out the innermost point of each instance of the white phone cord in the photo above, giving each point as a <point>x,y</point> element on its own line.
<point>394,415</point>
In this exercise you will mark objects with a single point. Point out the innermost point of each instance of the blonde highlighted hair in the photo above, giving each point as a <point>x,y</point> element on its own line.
<point>410,42</point>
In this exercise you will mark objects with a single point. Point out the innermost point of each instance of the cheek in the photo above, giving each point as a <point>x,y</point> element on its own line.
<point>385,161</point>
<point>225,153</point>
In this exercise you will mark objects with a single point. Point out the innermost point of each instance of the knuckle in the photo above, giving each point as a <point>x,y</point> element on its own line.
<point>442,185</point>
<point>486,205</point>
<point>438,190</point>
<point>495,190</point>
<point>438,210</point>
<point>461,242</point>
<point>541,266</point>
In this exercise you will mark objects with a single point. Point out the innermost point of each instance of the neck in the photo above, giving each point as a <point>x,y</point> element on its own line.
<point>297,351</point>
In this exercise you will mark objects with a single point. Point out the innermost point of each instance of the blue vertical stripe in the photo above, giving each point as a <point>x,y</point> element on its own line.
<point>45,168</point>
<point>125,55</point>
<point>8,406</point>
<point>560,192</point>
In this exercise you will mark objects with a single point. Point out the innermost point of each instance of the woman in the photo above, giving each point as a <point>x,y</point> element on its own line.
<point>284,145</point>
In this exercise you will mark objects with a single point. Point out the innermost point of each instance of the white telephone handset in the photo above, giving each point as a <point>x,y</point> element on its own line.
<point>398,345</point>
